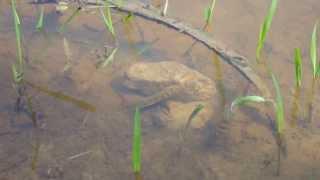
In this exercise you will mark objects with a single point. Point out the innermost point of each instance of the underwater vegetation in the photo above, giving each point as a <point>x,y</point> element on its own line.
<point>277,102</point>
<point>18,66</point>
<point>209,11</point>
<point>298,66</point>
<point>265,27</point>
<point>39,25</point>
<point>107,19</point>
<point>313,52</point>
<point>136,143</point>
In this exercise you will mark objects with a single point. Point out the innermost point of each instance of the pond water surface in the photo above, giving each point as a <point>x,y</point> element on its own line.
<point>84,124</point>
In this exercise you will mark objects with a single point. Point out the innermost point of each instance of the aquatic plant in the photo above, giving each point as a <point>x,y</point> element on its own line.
<point>279,108</point>
<point>68,54</point>
<point>279,112</point>
<point>248,99</point>
<point>17,69</point>
<point>136,147</point>
<point>165,8</point>
<point>208,13</point>
<point>74,14</point>
<point>39,25</point>
<point>107,60</point>
<point>313,52</point>
<point>265,27</point>
<point>128,17</point>
<point>106,16</point>
<point>298,66</point>
<point>277,104</point>
<point>193,114</point>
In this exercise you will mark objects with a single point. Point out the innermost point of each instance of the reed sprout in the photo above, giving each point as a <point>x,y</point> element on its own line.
<point>39,25</point>
<point>72,16</point>
<point>208,13</point>
<point>107,19</point>
<point>17,69</point>
<point>107,59</point>
<point>136,148</point>
<point>313,52</point>
<point>277,104</point>
<point>265,27</point>
<point>298,66</point>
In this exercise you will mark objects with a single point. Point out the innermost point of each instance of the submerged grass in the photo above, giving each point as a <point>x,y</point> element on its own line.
<point>107,19</point>
<point>17,69</point>
<point>277,104</point>
<point>208,13</point>
<point>193,114</point>
<point>247,99</point>
<point>313,52</point>
<point>298,66</point>
<point>72,16</point>
<point>279,122</point>
<point>265,27</point>
<point>136,148</point>
<point>107,60</point>
<point>39,25</point>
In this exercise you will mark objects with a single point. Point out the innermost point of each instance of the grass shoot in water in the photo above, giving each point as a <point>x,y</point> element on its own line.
<point>298,66</point>
<point>278,105</point>
<point>193,114</point>
<point>208,13</point>
<point>74,14</point>
<point>136,148</point>
<point>106,16</point>
<point>39,25</point>
<point>313,51</point>
<point>107,60</point>
<point>265,27</point>
<point>17,70</point>
<point>247,99</point>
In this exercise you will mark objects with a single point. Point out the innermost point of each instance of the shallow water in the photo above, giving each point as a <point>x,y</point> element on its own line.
<point>84,123</point>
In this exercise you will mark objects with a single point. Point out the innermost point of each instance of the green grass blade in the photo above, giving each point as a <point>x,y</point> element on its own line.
<point>17,76</point>
<point>298,66</point>
<point>193,114</point>
<point>265,27</point>
<point>279,108</point>
<point>247,99</point>
<point>209,12</point>
<point>74,14</point>
<point>108,59</point>
<point>128,17</point>
<point>136,149</point>
<point>17,28</point>
<point>313,50</point>
<point>106,16</point>
<point>39,25</point>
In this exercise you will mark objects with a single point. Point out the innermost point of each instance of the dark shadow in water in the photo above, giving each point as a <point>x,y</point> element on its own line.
<point>63,97</point>
<point>24,104</point>
<point>295,109</point>
<point>310,98</point>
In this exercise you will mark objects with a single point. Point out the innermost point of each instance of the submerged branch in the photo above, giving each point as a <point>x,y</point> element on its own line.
<point>234,59</point>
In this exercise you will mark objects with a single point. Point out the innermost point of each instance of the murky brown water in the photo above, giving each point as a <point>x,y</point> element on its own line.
<point>85,127</point>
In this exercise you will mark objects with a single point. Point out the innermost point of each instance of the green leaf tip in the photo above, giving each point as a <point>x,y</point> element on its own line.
<point>136,148</point>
